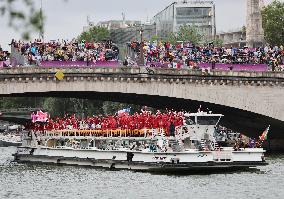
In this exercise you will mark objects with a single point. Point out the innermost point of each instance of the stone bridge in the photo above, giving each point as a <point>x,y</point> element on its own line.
<point>250,101</point>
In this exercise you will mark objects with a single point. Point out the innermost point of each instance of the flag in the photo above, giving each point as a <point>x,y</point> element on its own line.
<point>264,134</point>
<point>39,116</point>
<point>126,110</point>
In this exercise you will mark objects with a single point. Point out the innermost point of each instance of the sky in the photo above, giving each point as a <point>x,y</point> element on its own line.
<point>65,18</point>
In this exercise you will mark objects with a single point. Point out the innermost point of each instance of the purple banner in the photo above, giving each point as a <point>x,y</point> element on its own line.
<point>234,67</point>
<point>237,67</point>
<point>78,63</point>
<point>4,63</point>
<point>158,64</point>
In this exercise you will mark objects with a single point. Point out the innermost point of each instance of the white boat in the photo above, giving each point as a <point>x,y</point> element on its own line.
<point>10,140</point>
<point>191,148</point>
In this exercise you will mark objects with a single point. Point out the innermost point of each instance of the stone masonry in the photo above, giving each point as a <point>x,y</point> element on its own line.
<point>254,30</point>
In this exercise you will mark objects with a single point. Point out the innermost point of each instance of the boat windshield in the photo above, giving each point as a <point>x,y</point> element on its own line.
<point>208,120</point>
<point>190,120</point>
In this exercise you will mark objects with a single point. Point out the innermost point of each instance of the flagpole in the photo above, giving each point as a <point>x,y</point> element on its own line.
<point>268,140</point>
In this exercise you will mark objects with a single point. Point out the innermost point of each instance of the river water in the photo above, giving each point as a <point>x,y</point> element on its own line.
<point>40,181</point>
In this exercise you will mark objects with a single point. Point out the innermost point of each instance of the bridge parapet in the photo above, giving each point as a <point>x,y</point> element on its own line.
<point>139,70</point>
<point>143,74</point>
<point>129,70</point>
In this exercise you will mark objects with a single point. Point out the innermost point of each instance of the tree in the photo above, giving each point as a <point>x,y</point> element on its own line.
<point>154,38</point>
<point>112,107</point>
<point>26,22</point>
<point>218,42</point>
<point>95,34</point>
<point>244,30</point>
<point>172,38</point>
<point>20,102</point>
<point>53,106</point>
<point>81,107</point>
<point>185,33</point>
<point>188,33</point>
<point>273,23</point>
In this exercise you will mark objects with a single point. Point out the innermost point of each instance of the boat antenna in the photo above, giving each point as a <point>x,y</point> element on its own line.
<point>199,110</point>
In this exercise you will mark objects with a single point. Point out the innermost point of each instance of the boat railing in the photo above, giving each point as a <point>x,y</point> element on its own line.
<point>109,133</point>
<point>182,132</point>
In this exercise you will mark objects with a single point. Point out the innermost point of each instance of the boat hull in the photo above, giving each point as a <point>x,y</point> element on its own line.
<point>4,143</point>
<point>52,156</point>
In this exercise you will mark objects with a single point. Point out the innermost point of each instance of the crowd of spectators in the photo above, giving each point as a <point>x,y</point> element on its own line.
<point>182,54</point>
<point>4,55</point>
<point>65,50</point>
<point>188,54</point>
<point>145,119</point>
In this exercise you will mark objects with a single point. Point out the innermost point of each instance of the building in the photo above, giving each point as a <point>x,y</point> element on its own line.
<point>255,33</point>
<point>235,39</point>
<point>253,36</point>
<point>194,13</point>
<point>113,24</point>
<point>117,24</point>
<point>123,35</point>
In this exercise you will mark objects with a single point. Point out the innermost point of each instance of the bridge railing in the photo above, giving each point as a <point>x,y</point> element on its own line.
<point>38,71</point>
<point>16,110</point>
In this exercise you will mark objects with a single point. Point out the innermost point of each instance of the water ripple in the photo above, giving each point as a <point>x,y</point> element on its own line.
<point>39,181</point>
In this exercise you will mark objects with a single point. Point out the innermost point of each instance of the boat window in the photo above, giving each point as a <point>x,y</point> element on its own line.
<point>190,120</point>
<point>207,120</point>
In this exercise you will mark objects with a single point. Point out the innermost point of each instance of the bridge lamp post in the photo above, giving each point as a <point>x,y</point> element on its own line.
<point>240,40</point>
<point>141,59</point>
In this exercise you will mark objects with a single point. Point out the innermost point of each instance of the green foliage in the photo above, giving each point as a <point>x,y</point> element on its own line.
<point>154,38</point>
<point>244,29</point>
<point>54,106</point>
<point>61,106</point>
<point>111,108</point>
<point>20,102</point>
<point>25,21</point>
<point>188,33</point>
<point>172,38</point>
<point>185,33</point>
<point>273,23</point>
<point>82,107</point>
<point>95,34</point>
<point>218,42</point>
